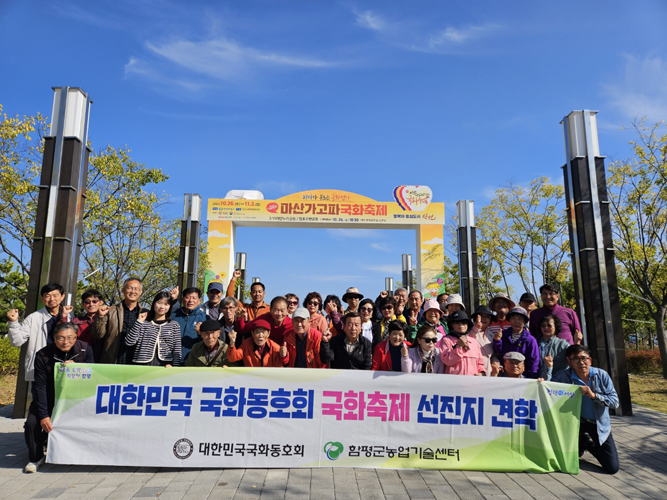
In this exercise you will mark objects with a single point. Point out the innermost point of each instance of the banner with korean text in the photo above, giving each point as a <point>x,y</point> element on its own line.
<point>276,417</point>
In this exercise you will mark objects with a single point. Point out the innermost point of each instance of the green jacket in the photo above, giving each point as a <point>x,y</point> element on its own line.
<point>197,356</point>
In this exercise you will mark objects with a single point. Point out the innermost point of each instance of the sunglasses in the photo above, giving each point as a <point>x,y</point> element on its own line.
<point>366,309</point>
<point>293,303</point>
<point>387,308</point>
<point>313,303</point>
<point>88,302</point>
<point>430,340</point>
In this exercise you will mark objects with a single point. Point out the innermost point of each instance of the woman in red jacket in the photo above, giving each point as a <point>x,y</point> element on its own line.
<point>387,354</point>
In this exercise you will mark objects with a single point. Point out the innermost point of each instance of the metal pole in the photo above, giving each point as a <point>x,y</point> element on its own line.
<point>188,259</point>
<point>407,271</point>
<point>241,266</point>
<point>59,218</point>
<point>467,249</point>
<point>389,286</point>
<point>593,252</point>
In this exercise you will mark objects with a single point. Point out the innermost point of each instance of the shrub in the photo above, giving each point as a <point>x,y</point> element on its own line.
<point>643,361</point>
<point>9,357</point>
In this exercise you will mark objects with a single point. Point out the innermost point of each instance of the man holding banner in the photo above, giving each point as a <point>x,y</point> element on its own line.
<point>599,395</point>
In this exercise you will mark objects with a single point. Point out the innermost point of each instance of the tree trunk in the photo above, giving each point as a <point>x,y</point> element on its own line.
<point>659,317</point>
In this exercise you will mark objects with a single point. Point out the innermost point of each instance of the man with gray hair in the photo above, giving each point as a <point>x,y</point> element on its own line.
<point>64,349</point>
<point>513,366</point>
<point>113,323</point>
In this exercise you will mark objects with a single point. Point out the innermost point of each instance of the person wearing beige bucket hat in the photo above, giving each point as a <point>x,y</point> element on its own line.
<point>352,297</point>
<point>500,304</point>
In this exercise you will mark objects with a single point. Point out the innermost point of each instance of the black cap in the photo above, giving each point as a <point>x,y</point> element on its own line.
<point>459,316</point>
<point>210,325</point>
<point>528,296</point>
<point>483,310</point>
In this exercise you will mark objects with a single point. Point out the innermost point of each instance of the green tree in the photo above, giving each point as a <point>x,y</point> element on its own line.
<point>638,200</point>
<point>125,230</point>
<point>523,231</point>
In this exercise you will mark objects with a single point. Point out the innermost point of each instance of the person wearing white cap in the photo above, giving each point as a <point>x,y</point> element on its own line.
<point>303,342</point>
<point>455,303</point>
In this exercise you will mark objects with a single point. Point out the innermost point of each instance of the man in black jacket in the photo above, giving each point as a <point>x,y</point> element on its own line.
<point>351,351</point>
<point>65,349</point>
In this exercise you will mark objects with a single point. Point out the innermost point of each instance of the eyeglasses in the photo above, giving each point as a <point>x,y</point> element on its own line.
<point>366,309</point>
<point>88,302</point>
<point>70,338</point>
<point>293,303</point>
<point>581,359</point>
<point>313,303</point>
<point>430,340</point>
<point>133,289</point>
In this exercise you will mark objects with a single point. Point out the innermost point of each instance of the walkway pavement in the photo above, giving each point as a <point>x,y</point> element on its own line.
<point>641,441</point>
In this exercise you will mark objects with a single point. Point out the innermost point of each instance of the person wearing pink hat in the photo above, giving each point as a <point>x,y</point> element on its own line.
<point>432,314</point>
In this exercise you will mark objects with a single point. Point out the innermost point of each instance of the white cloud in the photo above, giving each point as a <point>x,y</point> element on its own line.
<point>459,36</point>
<point>388,269</point>
<point>226,60</point>
<point>224,246</point>
<point>434,241</point>
<point>424,251</point>
<point>383,247</point>
<point>643,89</point>
<point>217,234</point>
<point>353,233</point>
<point>370,20</point>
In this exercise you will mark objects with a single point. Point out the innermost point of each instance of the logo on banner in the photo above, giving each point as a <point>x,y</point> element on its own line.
<point>183,449</point>
<point>333,450</point>
<point>413,198</point>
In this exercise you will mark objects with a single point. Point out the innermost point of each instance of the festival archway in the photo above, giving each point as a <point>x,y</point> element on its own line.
<point>328,208</point>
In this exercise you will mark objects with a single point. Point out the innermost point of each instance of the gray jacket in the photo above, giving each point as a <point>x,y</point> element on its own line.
<point>33,331</point>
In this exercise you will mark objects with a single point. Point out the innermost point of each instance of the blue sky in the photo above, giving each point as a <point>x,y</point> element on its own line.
<point>360,96</point>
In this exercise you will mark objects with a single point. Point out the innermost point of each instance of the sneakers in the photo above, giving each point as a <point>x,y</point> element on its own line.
<point>33,466</point>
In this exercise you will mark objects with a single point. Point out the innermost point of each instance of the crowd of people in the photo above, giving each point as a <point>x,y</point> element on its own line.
<point>397,331</point>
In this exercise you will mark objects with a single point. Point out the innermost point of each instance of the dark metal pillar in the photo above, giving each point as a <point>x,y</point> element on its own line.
<point>407,271</point>
<point>593,261</point>
<point>241,266</point>
<point>188,258</point>
<point>389,286</point>
<point>467,249</point>
<point>59,219</point>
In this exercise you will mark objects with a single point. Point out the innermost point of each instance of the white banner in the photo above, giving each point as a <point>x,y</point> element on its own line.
<point>283,417</point>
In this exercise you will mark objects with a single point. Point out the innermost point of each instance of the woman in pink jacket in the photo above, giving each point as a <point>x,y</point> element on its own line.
<point>459,351</point>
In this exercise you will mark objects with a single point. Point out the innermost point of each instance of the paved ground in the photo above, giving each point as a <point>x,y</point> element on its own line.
<point>641,440</point>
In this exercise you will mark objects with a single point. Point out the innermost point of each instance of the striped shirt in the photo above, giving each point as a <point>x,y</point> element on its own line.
<point>150,337</point>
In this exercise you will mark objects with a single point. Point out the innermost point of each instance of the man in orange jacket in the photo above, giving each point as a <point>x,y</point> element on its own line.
<point>258,350</point>
<point>303,342</point>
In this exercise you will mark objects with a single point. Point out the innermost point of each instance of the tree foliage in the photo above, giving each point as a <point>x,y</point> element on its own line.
<point>125,230</point>
<point>523,231</point>
<point>638,197</point>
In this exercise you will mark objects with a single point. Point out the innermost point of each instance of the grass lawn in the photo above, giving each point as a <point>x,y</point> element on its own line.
<point>649,390</point>
<point>7,389</point>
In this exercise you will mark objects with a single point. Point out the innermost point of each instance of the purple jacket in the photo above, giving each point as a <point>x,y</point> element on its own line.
<point>526,345</point>
<point>568,318</point>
